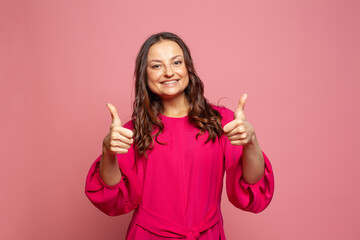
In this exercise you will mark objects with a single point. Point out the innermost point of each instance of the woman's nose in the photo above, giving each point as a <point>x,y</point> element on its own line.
<point>168,71</point>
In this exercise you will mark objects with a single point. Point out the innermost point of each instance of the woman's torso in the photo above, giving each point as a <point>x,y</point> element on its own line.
<point>182,184</point>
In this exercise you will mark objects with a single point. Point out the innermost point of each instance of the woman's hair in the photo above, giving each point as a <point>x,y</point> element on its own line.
<point>148,106</point>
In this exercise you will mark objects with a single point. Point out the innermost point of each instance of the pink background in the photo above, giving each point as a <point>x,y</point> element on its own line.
<point>62,61</point>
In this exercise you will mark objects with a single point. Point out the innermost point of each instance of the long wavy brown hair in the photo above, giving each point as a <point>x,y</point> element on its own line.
<point>148,106</point>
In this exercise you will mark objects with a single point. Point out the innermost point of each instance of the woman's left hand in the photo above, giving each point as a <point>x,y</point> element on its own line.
<point>239,131</point>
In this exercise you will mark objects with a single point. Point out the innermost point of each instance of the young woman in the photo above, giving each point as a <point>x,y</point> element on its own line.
<point>169,161</point>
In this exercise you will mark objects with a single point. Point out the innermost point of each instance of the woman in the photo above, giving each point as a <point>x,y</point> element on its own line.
<point>168,162</point>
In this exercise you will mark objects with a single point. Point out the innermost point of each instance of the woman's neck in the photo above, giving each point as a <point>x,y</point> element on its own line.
<point>178,107</point>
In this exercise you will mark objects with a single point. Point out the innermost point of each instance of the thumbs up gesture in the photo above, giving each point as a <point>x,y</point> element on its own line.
<point>239,131</point>
<point>119,139</point>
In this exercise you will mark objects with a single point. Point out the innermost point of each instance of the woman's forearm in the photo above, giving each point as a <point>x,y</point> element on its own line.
<point>253,164</point>
<point>109,169</point>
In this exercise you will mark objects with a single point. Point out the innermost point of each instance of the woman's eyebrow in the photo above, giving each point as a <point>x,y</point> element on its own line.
<point>155,60</point>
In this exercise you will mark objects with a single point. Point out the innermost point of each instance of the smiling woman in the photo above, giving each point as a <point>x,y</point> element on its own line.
<point>167,76</point>
<point>168,163</point>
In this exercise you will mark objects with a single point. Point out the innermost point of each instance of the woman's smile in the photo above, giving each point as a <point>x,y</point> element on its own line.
<point>168,82</point>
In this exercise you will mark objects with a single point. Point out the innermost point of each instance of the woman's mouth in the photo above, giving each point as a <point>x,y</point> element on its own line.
<point>169,81</point>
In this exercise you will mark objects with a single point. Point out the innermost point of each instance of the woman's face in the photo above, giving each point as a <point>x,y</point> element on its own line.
<point>167,75</point>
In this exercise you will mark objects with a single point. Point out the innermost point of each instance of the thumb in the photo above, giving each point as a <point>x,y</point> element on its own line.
<point>239,112</point>
<point>114,114</point>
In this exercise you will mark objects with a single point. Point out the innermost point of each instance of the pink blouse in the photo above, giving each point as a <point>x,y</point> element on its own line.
<point>176,192</point>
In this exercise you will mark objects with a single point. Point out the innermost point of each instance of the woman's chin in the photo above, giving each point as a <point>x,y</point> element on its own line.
<point>171,95</point>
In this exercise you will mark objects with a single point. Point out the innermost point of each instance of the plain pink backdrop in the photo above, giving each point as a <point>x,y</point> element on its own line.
<point>62,61</point>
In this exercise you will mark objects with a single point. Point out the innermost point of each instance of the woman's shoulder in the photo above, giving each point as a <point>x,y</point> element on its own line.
<point>227,115</point>
<point>222,109</point>
<point>129,124</point>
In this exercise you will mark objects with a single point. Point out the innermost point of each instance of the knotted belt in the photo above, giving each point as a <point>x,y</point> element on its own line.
<point>164,227</point>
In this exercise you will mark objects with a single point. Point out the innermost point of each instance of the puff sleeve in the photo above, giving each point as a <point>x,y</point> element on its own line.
<point>122,197</point>
<point>249,197</point>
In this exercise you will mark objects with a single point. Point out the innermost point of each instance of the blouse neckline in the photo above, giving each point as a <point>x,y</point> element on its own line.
<point>185,117</point>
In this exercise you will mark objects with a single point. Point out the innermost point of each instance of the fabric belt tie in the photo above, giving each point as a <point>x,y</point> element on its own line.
<point>164,227</point>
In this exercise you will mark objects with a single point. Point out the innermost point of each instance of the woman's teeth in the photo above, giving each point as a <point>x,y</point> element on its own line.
<point>169,82</point>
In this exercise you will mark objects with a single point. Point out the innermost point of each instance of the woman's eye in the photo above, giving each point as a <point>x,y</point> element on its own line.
<point>177,62</point>
<point>155,66</point>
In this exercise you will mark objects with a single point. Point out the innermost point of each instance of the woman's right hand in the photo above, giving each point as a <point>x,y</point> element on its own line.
<point>119,139</point>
